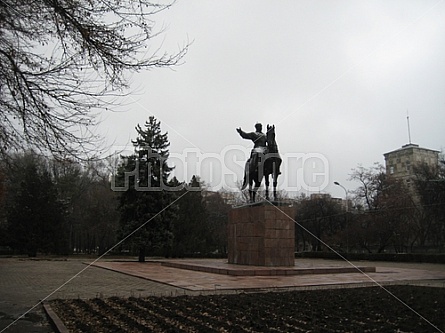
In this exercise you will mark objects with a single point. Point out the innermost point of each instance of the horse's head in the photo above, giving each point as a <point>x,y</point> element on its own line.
<point>270,134</point>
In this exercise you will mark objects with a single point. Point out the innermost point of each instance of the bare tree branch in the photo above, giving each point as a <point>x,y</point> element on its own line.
<point>63,61</point>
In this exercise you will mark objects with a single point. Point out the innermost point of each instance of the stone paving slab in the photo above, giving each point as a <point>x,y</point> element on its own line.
<point>25,282</point>
<point>204,281</point>
<point>223,267</point>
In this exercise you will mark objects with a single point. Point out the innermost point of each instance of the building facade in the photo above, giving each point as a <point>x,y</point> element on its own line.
<point>400,163</point>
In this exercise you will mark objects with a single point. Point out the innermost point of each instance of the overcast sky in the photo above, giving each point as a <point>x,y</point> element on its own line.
<point>337,78</point>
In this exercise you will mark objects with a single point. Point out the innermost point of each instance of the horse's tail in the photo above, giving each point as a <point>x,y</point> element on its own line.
<point>245,181</point>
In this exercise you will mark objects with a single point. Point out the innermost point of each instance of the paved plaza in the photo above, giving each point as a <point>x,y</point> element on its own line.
<point>25,282</point>
<point>198,281</point>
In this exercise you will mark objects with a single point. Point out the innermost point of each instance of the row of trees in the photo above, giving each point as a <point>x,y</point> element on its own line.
<point>53,206</point>
<point>62,207</point>
<point>388,215</point>
<point>59,207</point>
<point>62,64</point>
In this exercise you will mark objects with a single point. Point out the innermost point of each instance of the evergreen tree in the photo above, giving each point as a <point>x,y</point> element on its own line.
<point>91,205</point>
<point>190,228</point>
<point>35,215</point>
<point>145,205</point>
<point>217,217</point>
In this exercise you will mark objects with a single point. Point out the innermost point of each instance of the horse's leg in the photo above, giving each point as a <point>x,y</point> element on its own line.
<point>274,184</point>
<point>255,190</point>
<point>266,180</point>
<point>251,193</point>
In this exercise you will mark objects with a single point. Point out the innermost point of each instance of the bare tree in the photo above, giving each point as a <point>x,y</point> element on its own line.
<point>63,61</point>
<point>390,214</point>
<point>371,181</point>
<point>430,190</point>
<point>318,218</point>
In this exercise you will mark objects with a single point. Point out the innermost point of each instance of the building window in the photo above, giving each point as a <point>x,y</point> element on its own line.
<point>391,170</point>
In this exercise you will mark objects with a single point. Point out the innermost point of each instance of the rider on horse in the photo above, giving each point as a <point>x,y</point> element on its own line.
<point>259,146</point>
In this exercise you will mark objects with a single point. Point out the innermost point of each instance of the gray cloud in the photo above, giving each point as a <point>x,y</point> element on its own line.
<point>336,77</point>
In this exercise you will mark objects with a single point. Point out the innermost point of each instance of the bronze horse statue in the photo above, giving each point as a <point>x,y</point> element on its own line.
<point>267,164</point>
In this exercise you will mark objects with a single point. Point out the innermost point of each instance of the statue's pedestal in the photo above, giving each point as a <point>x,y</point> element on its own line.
<point>262,234</point>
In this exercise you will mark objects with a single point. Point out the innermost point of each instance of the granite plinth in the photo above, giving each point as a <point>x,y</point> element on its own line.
<point>224,268</point>
<point>262,234</point>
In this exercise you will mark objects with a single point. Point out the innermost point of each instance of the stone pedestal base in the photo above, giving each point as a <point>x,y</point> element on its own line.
<point>261,235</point>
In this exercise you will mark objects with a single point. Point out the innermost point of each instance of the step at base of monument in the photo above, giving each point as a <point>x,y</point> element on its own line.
<point>225,268</point>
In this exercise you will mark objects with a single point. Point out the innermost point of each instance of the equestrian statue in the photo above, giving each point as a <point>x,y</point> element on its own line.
<point>264,161</point>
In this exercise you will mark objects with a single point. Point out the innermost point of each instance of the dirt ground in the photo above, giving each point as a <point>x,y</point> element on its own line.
<point>25,282</point>
<point>372,309</point>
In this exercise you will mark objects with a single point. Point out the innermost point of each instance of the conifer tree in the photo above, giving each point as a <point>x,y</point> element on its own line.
<point>145,205</point>
<point>190,228</point>
<point>35,215</point>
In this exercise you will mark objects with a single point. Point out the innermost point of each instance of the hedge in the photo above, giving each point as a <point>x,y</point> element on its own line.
<point>397,257</point>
